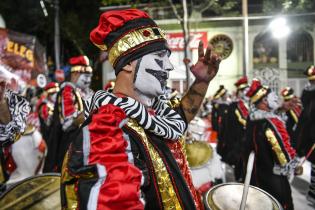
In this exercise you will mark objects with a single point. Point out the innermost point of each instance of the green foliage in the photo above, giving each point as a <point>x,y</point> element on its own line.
<point>286,6</point>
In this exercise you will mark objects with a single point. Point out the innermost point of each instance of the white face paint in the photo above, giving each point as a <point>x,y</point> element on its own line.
<point>273,101</point>
<point>84,81</point>
<point>53,97</point>
<point>242,94</point>
<point>152,72</point>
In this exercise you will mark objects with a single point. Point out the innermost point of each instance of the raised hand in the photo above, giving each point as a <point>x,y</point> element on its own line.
<point>207,65</point>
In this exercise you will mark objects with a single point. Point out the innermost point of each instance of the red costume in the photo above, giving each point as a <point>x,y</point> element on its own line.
<point>67,108</point>
<point>125,156</point>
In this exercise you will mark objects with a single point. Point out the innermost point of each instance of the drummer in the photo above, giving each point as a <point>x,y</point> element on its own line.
<point>235,138</point>
<point>219,114</point>
<point>13,112</point>
<point>275,159</point>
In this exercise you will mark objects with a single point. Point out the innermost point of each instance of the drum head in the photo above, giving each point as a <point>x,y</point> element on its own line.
<point>228,196</point>
<point>198,153</point>
<point>34,193</point>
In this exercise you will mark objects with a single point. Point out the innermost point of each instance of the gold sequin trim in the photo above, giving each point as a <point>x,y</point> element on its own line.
<point>219,94</point>
<point>174,102</point>
<point>2,179</point>
<point>53,90</point>
<point>240,118</point>
<point>262,92</point>
<point>166,189</point>
<point>71,195</point>
<point>276,147</point>
<point>295,118</point>
<point>133,39</point>
<point>82,69</point>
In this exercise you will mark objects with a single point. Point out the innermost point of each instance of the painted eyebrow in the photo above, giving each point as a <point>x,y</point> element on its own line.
<point>161,52</point>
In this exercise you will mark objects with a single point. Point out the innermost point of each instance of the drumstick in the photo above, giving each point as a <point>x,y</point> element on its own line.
<point>308,154</point>
<point>249,170</point>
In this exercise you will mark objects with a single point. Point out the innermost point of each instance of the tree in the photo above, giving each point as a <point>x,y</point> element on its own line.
<point>286,6</point>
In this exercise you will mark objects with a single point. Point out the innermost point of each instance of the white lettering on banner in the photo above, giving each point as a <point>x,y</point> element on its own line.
<point>176,40</point>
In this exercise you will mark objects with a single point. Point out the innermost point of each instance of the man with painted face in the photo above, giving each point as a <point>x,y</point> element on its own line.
<point>13,112</point>
<point>237,115</point>
<point>292,115</point>
<point>266,134</point>
<point>45,108</point>
<point>306,127</point>
<point>129,153</point>
<point>219,115</point>
<point>68,112</point>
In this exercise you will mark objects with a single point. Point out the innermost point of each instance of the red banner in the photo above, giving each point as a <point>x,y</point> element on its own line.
<point>176,40</point>
<point>22,55</point>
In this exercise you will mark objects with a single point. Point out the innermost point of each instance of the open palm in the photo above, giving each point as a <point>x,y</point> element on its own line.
<point>207,65</point>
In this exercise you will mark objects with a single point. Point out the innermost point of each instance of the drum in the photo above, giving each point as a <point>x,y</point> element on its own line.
<point>34,193</point>
<point>228,196</point>
<point>198,153</point>
<point>204,163</point>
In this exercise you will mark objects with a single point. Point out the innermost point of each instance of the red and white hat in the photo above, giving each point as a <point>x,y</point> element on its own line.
<point>80,64</point>
<point>241,83</point>
<point>220,92</point>
<point>257,91</point>
<point>127,35</point>
<point>52,87</point>
<point>310,72</point>
<point>287,93</point>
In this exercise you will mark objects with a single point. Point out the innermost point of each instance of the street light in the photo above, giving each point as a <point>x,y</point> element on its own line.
<point>279,28</point>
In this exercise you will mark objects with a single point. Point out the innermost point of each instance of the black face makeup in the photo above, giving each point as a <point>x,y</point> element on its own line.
<point>161,76</point>
<point>151,74</point>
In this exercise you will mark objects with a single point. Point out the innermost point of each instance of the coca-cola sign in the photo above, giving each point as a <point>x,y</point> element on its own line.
<point>176,40</point>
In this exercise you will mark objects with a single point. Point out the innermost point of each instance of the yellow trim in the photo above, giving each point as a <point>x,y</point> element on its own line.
<point>101,46</point>
<point>80,108</point>
<point>242,86</point>
<point>272,139</point>
<point>131,40</point>
<point>219,94</point>
<point>240,118</point>
<point>286,98</point>
<point>53,90</point>
<point>295,118</point>
<point>66,178</point>
<point>2,178</point>
<point>82,69</point>
<point>262,92</point>
<point>311,77</point>
<point>166,189</point>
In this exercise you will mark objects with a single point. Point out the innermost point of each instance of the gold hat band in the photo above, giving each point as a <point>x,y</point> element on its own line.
<point>260,93</point>
<point>52,90</point>
<point>82,69</point>
<point>288,97</point>
<point>133,39</point>
<point>311,77</point>
<point>219,94</point>
<point>242,86</point>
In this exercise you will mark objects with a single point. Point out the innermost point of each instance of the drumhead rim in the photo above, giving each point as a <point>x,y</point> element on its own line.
<point>11,187</point>
<point>275,201</point>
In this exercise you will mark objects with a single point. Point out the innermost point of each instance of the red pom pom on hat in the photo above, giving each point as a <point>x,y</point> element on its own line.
<point>287,93</point>
<point>111,21</point>
<point>256,84</point>
<point>52,87</point>
<point>80,64</point>
<point>127,35</point>
<point>257,91</point>
<point>241,83</point>
<point>310,72</point>
<point>80,60</point>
